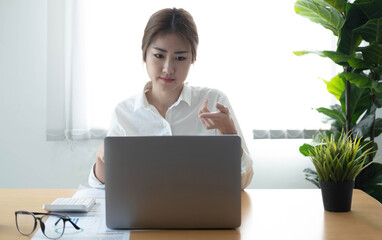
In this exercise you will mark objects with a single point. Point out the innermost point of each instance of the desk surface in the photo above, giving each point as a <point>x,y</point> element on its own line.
<point>266,214</point>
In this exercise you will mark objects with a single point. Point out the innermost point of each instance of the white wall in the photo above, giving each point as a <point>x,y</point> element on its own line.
<point>27,160</point>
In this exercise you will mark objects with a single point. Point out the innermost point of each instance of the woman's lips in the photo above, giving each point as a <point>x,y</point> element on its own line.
<point>167,80</point>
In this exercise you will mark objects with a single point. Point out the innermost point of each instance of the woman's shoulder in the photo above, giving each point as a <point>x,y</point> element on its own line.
<point>206,92</point>
<point>199,94</point>
<point>127,103</point>
<point>135,101</point>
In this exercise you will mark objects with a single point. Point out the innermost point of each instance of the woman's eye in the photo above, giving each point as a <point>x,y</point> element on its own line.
<point>180,58</point>
<point>158,55</point>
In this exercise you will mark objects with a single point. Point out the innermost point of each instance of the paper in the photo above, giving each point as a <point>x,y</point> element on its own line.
<point>93,223</point>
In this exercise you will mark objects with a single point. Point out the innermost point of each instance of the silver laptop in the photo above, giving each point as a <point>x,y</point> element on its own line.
<point>182,182</point>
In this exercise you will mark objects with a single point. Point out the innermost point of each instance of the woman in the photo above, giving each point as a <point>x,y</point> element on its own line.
<point>167,106</point>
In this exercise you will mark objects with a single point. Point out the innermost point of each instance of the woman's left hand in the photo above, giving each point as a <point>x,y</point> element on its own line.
<point>220,120</point>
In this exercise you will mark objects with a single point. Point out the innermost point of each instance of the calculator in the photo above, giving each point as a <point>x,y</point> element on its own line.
<point>70,205</point>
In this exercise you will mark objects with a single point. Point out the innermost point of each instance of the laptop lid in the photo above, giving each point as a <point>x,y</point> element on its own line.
<point>173,182</point>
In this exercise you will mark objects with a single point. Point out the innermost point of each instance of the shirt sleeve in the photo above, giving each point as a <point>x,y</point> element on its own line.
<point>115,128</point>
<point>246,160</point>
<point>246,169</point>
<point>93,181</point>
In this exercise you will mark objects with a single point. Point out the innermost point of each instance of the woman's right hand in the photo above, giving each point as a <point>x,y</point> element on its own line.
<point>100,163</point>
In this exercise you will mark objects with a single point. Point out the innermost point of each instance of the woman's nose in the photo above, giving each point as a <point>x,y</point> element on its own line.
<point>169,66</point>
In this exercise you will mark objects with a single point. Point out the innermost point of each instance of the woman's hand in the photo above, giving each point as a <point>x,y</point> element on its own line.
<point>100,163</point>
<point>101,153</point>
<point>220,120</point>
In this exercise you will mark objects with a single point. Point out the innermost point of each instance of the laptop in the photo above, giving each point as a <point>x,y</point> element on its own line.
<point>173,182</point>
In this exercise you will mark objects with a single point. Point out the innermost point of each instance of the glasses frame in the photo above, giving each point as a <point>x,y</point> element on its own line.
<point>65,219</point>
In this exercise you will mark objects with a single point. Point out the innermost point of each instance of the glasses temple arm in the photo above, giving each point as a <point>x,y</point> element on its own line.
<point>74,225</point>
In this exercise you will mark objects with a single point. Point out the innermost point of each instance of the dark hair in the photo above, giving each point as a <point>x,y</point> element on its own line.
<point>169,20</point>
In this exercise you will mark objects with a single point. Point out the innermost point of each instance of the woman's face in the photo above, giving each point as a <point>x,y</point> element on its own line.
<point>168,60</point>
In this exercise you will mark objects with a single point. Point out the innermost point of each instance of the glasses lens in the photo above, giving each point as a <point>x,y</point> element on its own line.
<point>54,226</point>
<point>25,222</point>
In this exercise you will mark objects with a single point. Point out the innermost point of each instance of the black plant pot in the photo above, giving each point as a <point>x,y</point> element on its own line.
<point>337,196</point>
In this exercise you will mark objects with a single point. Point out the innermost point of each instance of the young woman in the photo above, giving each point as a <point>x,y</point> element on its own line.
<point>168,106</point>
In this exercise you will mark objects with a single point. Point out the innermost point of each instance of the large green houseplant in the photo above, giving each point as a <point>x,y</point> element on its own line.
<point>337,162</point>
<point>358,88</point>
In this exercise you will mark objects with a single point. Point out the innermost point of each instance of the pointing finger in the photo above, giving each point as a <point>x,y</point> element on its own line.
<point>204,107</point>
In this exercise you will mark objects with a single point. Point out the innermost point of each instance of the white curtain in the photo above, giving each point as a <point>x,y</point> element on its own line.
<point>68,102</point>
<point>246,50</point>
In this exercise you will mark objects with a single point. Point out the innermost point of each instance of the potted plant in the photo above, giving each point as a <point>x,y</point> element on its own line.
<point>358,88</point>
<point>337,162</point>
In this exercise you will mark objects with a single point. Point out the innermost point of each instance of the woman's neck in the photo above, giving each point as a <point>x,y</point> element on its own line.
<point>162,100</point>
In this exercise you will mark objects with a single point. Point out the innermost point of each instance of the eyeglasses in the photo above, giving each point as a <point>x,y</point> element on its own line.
<point>52,225</point>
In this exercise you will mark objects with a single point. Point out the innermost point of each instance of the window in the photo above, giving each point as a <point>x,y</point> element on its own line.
<point>246,50</point>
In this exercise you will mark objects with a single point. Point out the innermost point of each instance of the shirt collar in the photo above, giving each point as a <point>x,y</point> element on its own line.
<point>141,100</point>
<point>185,95</point>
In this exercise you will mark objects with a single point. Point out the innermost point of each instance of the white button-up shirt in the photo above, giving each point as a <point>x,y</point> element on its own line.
<point>136,117</point>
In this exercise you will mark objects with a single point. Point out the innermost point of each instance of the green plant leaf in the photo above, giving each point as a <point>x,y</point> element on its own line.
<point>377,70</point>
<point>349,40</point>
<point>372,53</point>
<point>362,1</point>
<point>306,150</point>
<point>336,124</point>
<point>333,113</point>
<point>378,91</point>
<point>301,53</point>
<point>337,57</point>
<point>363,127</point>
<point>322,170</point>
<point>368,180</point>
<point>359,80</point>
<point>338,170</point>
<point>347,172</point>
<point>378,127</point>
<point>359,102</point>
<point>378,102</point>
<point>371,9</point>
<point>371,31</point>
<point>377,178</point>
<point>330,169</point>
<point>328,17</point>
<point>336,86</point>
<point>358,63</point>
<point>323,3</point>
<point>310,172</point>
<point>357,171</point>
<point>338,4</point>
<point>376,192</point>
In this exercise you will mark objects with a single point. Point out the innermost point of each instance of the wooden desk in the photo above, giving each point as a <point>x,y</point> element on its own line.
<point>266,214</point>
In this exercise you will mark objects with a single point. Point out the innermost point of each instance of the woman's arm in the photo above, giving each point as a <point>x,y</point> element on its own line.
<point>99,167</point>
<point>97,173</point>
